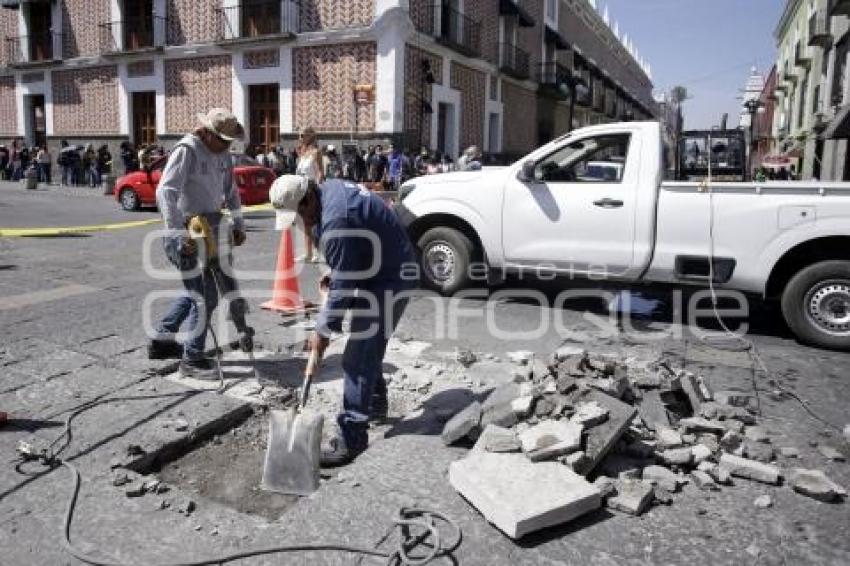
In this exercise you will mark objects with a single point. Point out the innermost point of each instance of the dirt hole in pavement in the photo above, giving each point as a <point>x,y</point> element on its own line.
<point>228,469</point>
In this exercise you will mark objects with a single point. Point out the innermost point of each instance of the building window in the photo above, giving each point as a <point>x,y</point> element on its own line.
<point>494,88</point>
<point>552,10</point>
<point>801,116</point>
<point>816,100</point>
<point>837,94</point>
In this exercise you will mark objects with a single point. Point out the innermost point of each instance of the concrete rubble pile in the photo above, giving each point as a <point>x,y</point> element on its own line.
<point>580,431</point>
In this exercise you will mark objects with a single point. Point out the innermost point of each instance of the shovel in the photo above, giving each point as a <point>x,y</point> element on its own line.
<point>295,437</point>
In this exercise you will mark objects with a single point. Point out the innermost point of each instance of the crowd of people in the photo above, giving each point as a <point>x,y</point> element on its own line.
<point>79,165</point>
<point>380,167</point>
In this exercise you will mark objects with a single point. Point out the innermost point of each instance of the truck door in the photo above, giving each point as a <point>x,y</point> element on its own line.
<point>578,212</point>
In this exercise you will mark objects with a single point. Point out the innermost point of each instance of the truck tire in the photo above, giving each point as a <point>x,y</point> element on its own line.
<point>816,304</point>
<point>445,257</point>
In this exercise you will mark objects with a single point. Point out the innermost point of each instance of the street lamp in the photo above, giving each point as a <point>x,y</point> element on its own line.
<point>753,106</point>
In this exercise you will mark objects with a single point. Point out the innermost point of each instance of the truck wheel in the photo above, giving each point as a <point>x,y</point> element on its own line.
<point>446,255</point>
<point>816,304</point>
<point>129,200</point>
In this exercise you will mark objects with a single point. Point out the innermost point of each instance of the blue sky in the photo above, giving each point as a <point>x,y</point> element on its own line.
<point>706,45</point>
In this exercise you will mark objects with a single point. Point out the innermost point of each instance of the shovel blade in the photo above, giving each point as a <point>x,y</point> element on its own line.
<point>292,454</point>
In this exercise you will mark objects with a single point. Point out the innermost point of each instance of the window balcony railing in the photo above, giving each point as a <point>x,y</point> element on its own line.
<point>134,34</point>
<point>513,61</point>
<point>257,20</point>
<point>819,31</point>
<point>554,79</point>
<point>39,47</point>
<point>452,28</point>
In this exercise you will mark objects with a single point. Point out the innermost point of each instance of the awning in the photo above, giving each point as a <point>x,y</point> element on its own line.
<point>839,127</point>
<point>553,36</point>
<point>512,8</point>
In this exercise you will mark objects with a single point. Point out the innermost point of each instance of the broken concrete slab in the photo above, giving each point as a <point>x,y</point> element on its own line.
<point>522,406</point>
<point>606,486</point>
<point>589,414</point>
<point>677,456</point>
<point>576,460</point>
<point>789,452</point>
<point>718,474</point>
<point>663,478</point>
<point>652,410</point>
<point>460,425</point>
<point>497,439</point>
<point>731,441</point>
<point>497,408</point>
<point>759,451</point>
<point>700,453</point>
<point>520,497</point>
<point>704,481</point>
<point>713,410</point>
<point>614,386</point>
<point>633,496</point>
<point>550,439</point>
<point>564,353</point>
<point>600,439</point>
<point>750,469</point>
<point>815,484</point>
<point>690,387</point>
<point>831,453</point>
<point>668,438</point>
<point>699,424</point>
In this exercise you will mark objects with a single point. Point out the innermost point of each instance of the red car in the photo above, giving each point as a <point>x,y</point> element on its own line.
<point>138,188</point>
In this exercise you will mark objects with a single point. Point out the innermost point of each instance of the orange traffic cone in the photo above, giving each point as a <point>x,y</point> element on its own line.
<point>286,295</point>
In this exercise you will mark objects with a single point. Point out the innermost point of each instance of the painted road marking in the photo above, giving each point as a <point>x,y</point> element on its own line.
<point>63,230</point>
<point>38,297</point>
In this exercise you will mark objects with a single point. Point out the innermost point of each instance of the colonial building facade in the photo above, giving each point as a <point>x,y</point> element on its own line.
<point>811,118</point>
<point>505,75</point>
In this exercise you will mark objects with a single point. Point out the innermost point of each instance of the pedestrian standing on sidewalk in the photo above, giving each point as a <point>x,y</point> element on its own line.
<point>366,278</point>
<point>311,166</point>
<point>196,180</point>
<point>16,160</point>
<point>45,162</point>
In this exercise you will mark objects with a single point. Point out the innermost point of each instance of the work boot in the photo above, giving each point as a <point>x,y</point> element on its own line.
<point>164,350</point>
<point>380,408</point>
<point>204,369</point>
<point>339,452</point>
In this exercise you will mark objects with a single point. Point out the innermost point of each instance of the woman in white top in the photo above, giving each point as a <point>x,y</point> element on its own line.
<point>310,165</point>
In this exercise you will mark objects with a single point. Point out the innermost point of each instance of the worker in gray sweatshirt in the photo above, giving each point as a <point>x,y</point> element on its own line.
<point>196,182</point>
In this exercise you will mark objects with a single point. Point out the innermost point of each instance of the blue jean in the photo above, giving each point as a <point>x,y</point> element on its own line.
<point>197,283</point>
<point>44,172</point>
<point>363,359</point>
<point>68,175</point>
<point>94,176</point>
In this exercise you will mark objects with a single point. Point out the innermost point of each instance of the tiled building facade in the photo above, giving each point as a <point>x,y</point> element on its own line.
<point>505,75</point>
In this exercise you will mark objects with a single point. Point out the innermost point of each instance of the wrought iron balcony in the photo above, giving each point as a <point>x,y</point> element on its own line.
<point>258,19</point>
<point>555,79</point>
<point>839,8</point>
<point>513,61</point>
<point>819,31</point>
<point>452,28</point>
<point>39,47</point>
<point>801,56</point>
<point>132,34</point>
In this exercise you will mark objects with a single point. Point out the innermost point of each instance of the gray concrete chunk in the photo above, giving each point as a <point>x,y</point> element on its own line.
<point>677,456</point>
<point>663,478</point>
<point>750,469</point>
<point>589,414</point>
<point>520,497</point>
<point>551,439</point>
<point>600,439</point>
<point>652,410</point>
<point>699,424</point>
<point>633,496</point>
<point>830,453</point>
<point>815,484</point>
<point>668,438</point>
<point>704,481</point>
<point>462,424</point>
<point>497,439</point>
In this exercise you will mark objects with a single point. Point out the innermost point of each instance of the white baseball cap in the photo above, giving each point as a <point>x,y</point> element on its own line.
<point>285,195</point>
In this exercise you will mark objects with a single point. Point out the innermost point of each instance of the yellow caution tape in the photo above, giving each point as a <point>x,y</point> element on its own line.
<point>67,230</point>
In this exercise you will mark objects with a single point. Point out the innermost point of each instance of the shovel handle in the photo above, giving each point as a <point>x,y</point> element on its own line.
<point>312,364</point>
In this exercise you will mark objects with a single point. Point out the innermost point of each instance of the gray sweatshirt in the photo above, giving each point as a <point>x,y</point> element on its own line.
<point>196,181</point>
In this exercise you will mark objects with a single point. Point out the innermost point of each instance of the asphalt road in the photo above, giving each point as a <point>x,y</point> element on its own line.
<point>71,313</point>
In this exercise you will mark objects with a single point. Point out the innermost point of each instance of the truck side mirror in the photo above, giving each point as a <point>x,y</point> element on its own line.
<point>526,174</point>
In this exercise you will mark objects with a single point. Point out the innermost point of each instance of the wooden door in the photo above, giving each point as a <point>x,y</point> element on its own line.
<point>38,120</point>
<point>264,115</point>
<point>144,118</point>
<point>138,24</point>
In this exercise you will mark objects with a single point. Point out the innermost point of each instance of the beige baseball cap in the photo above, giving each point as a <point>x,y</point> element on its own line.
<point>285,194</point>
<point>222,123</point>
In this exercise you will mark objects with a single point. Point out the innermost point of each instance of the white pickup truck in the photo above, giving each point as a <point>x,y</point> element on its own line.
<point>594,204</point>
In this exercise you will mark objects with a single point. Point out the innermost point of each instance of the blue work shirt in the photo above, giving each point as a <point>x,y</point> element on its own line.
<point>354,260</point>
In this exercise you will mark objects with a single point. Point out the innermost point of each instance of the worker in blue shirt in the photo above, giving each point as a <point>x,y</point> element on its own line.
<point>372,268</point>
